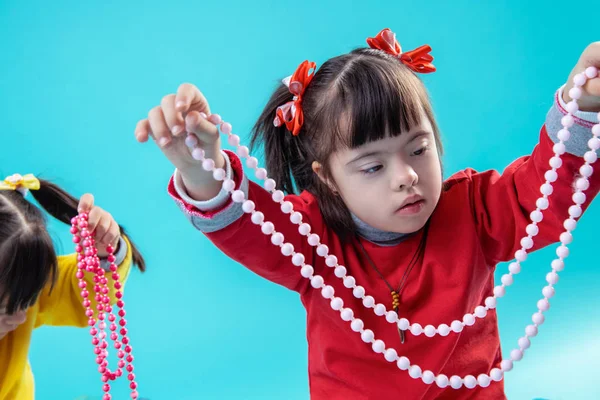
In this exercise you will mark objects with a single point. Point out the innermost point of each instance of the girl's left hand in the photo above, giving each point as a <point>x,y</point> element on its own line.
<point>101,224</point>
<point>590,98</point>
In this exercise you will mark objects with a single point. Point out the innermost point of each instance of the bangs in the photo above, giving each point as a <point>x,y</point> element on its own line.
<point>27,263</point>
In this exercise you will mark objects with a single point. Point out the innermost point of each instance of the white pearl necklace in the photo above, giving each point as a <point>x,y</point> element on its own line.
<point>456,326</point>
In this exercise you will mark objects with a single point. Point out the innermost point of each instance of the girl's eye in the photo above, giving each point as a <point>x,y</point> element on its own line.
<point>421,151</point>
<point>371,170</point>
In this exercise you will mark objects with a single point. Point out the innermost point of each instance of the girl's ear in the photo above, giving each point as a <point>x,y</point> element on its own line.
<point>318,169</point>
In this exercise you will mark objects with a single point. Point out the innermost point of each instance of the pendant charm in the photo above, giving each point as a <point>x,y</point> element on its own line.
<point>395,305</point>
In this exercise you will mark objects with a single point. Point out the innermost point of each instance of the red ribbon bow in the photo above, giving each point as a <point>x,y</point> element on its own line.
<point>291,112</point>
<point>418,60</point>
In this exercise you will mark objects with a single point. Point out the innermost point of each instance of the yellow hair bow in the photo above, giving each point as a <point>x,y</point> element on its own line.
<point>20,183</point>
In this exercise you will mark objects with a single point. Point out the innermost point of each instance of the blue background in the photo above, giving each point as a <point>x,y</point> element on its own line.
<point>76,76</point>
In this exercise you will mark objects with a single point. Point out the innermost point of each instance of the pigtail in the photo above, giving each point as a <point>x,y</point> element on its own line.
<point>62,206</point>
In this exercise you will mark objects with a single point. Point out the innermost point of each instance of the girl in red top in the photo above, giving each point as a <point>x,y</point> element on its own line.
<point>406,259</point>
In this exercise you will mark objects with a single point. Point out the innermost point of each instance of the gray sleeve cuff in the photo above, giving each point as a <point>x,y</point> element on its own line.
<point>581,131</point>
<point>119,255</point>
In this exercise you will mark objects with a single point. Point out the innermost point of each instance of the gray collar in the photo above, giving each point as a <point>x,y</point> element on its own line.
<point>379,237</point>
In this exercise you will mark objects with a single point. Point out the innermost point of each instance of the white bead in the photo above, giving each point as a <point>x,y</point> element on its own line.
<point>357,325</point>
<point>516,355</point>
<point>378,346</point>
<point>582,184</point>
<point>468,319</point>
<point>590,157</point>
<point>331,261</point>
<point>219,174</point>
<point>551,176</point>
<point>208,164</point>
<point>566,238</point>
<point>586,170</point>
<point>317,282</point>
<point>369,302</point>
<point>277,196</point>
<point>555,162</point>
<point>337,303</point>
<point>552,278</point>
<point>403,363</point>
<point>340,271</point>
<point>579,79</point>
<point>499,291</point>
<point>228,185</point>
<point>347,314</point>
<point>456,382</point>
<point>591,72</point>
<point>313,239</point>
<point>327,292</point>
<point>490,302</point>
<point>531,330</point>
<point>269,184</point>
<point>233,140</point>
<point>359,292</point>
<point>349,282</point>
<point>428,377</point>
<point>257,218</point>
<point>243,151</point>
<point>442,381</point>
<point>443,330</point>
<point>261,173</point>
<point>570,224</point>
<point>367,336</point>
<point>558,265</point>
<point>414,371</point>
<point>391,316</point>
<point>575,211</point>
<point>536,216</point>
<point>542,203</point>
<point>546,189</point>
<point>527,243</point>
<point>548,292</point>
<point>567,121</point>
<point>594,143</point>
<point>543,305</point>
<point>248,206</point>
<point>507,279</point>
<point>238,196</point>
<point>297,259</point>
<point>391,355</point>
<point>267,228</point>
<point>480,312</point>
<point>514,268</point>
<point>277,238</point>
<point>470,381</point>
<point>572,107</point>
<point>307,271</point>
<point>403,324</point>
<point>564,134</point>
<point>562,251</point>
<point>538,318</point>
<point>287,249</point>
<point>496,374</point>
<point>429,331</point>
<point>304,229</point>
<point>322,250</point>
<point>287,207</point>
<point>456,326</point>
<point>524,343</point>
<point>379,309</point>
<point>484,380</point>
<point>252,162</point>
<point>532,229</point>
<point>596,128</point>
<point>575,93</point>
<point>521,255</point>
<point>506,365</point>
<point>416,329</point>
<point>296,217</point>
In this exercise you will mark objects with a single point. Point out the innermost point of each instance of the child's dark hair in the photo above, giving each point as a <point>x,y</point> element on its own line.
<point>27,257</point>
<point>352,99</point>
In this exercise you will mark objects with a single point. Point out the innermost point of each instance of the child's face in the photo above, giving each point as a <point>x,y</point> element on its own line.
<point>377,179</point>
<point>10,322</point>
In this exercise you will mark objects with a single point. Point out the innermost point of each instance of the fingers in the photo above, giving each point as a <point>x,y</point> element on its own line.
<point>173,118</point>
<point>205,130</point>
<point>108,231</point>
<point>189,98</point>
<point>142,131</point>
<point>159,127</point>
<point>94,217</point>
<point>86,202</point>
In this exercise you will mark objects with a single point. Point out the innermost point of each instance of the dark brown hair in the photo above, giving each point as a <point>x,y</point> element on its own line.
<point>353,99</point>
<point>27,257</point>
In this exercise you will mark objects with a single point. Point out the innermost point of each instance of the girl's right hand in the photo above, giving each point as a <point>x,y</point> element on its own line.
<point>169,123</point>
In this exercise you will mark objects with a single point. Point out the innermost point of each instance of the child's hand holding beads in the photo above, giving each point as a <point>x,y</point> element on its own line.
<point>101,224</point>
<point>590,93</point>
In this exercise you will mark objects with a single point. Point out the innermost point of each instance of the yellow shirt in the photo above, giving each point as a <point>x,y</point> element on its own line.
<point>61,307</point>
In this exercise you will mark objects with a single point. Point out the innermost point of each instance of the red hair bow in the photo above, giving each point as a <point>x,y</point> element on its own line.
<point>419,59</point>
<point>291,112</point>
